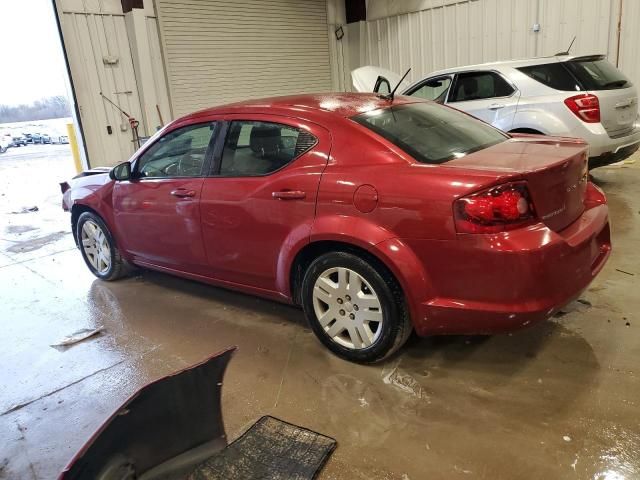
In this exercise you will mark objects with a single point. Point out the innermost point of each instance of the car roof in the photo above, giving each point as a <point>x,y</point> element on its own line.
<point>524,62</point>
<point>342,104</point>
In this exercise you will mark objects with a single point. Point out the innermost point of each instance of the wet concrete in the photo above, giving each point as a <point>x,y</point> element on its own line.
<point>560,400</point>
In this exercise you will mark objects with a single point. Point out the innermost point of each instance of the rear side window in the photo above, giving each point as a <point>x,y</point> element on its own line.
<point>553,75</point>
<point>429,132</point>
<point>259,148</point>
<point>478,86</point>
<point>596,73</point>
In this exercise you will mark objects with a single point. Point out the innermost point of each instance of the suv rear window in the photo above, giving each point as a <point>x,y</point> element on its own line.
<point>553,75</point>
<point>429,132</point>
<point>596,73</point>
<point>585,73</point>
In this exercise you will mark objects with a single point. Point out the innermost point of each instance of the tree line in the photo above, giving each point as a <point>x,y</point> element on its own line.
<point>44,109</point>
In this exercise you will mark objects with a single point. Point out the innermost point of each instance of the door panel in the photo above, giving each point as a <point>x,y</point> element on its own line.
<point>487,96</point>
<point>159,220</point>
<point>248,220</point>
<point>158,212</point>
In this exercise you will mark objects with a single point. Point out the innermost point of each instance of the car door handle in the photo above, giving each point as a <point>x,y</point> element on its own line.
<point>289,195</point>
<point>496,106</point>
<point>183,193</point>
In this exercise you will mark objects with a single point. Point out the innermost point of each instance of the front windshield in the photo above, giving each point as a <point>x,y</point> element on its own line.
<point>429,132</point>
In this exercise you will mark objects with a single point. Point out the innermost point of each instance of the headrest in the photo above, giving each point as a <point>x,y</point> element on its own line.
<point>470,86</point>
<point>265,140</point>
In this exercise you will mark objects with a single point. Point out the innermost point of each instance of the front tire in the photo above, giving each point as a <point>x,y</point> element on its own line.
<point>356,309</point>
<point>98,248</point>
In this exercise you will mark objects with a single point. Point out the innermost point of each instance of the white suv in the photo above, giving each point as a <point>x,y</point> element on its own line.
<point>564,95</point>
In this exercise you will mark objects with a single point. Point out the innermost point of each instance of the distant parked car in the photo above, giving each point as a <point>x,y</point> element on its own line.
<point>28,137</point>
<point>18,140</point>
<point>56,138</point>
<point>6,141</point>
<point>563,95</point>
<point>41,138</point>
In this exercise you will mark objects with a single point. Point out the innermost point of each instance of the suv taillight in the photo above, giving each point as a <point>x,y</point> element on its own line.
<point>586,107</point>
<point>498,209</point>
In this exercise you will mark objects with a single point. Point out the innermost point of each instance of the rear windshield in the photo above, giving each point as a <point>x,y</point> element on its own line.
<point>429,132</point>
<point>586,73</point>
<point>597,74</point>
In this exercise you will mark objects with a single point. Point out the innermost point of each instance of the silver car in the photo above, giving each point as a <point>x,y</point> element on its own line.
<point>563,95</point>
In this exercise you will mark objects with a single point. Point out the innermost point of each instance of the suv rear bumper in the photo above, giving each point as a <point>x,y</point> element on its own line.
<point>612,157</point>
<point>604,150</point>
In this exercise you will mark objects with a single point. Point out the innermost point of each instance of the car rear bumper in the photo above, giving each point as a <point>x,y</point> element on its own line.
<point>604,150</point>
<point>497,283</point>
<point>612,157</point>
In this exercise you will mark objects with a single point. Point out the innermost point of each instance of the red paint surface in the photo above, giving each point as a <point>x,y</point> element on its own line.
<point>362,190</point>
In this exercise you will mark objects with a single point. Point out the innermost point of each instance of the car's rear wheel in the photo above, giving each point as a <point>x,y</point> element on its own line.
<point>356,309</point>
<point>3,149</point>
<point>99,250</point>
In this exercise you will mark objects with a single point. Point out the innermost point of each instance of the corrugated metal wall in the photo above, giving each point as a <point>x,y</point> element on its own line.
<point>92,39</point>
<point>477,31</point>
<point>218,51</point>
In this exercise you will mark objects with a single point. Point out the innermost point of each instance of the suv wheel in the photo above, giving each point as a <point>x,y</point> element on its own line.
<point>355,309</point>
<point>98,248</point>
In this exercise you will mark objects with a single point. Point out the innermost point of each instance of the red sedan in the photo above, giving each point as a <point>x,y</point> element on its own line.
<point>378,216</point>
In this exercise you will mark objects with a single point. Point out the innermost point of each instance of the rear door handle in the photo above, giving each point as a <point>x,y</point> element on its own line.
<point>496,106</point>
<point>183,193</point>
<point>289,195</point>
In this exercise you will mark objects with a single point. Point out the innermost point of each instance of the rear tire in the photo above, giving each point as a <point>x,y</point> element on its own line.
<point>355,308</point>
<point>99,249</point>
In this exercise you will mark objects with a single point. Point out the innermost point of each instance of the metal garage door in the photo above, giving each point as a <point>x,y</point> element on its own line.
<point>219,51</point>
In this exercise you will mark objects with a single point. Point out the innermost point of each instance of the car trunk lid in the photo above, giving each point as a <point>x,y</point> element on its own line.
<point>555,170</point>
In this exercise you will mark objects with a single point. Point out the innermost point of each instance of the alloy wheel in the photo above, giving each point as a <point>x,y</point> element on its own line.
<point>347,308</point>
<point>96,246</point>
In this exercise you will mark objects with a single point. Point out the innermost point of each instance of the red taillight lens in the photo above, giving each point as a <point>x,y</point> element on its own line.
<point>585,106</point>
<point>501,208</point>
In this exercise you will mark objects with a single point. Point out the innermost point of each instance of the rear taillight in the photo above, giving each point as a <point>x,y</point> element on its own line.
<point>585,106</point>
<point>498,209</point>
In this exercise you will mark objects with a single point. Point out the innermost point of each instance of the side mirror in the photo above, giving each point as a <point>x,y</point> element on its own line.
<point>434,83</point>
<point>121,172</point>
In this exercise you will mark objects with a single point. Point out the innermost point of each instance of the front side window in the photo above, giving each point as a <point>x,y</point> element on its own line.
<point>431,133</point>
<point>180,153</point>
<point>478,86</point>
<point>434,89</point>
<point>259,148</point>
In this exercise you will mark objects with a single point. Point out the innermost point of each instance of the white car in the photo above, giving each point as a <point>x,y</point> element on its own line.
<point>58,138</point>
<point>6,140</point>
<point>563,95</point>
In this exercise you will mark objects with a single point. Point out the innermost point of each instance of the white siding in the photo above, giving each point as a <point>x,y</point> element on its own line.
<point>435,34</point>
<point>220,51</point>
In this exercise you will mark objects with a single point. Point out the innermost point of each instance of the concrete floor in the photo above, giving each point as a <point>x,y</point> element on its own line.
<point>560,400</point>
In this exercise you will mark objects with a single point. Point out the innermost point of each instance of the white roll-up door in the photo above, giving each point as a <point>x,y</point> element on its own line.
<point>220,51</point>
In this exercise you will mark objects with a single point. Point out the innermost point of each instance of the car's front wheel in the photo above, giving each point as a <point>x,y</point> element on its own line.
<point>354,307</point>
<point>98,248</point>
